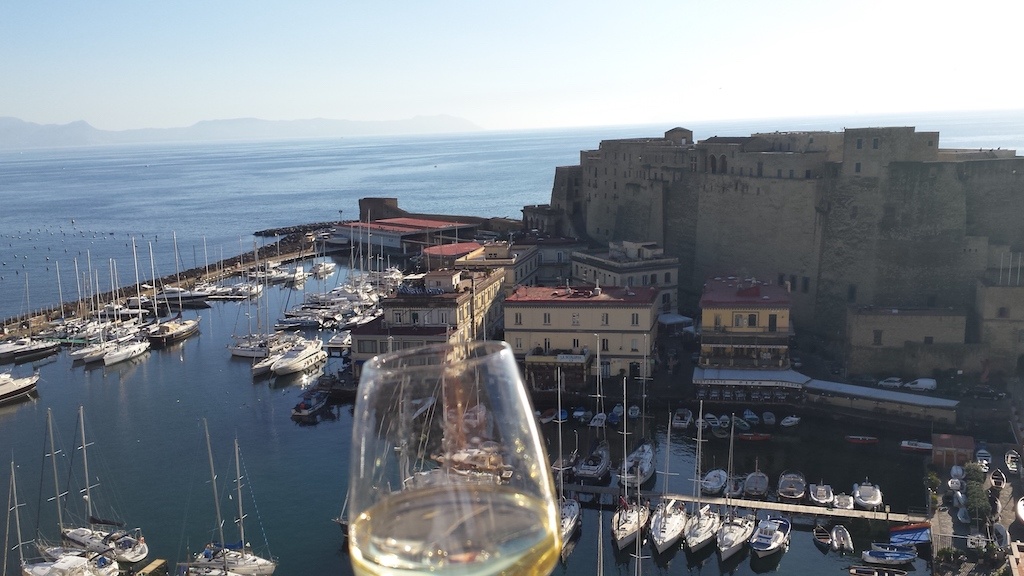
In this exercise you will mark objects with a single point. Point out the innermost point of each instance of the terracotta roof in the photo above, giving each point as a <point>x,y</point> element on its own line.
<point>456,249</point>
<point>733,291</point>
<point>421,223</point>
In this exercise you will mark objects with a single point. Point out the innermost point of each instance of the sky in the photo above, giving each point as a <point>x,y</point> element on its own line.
<point>125,64</point>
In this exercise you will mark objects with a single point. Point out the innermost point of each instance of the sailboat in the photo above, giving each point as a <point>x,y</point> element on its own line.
<point>736,529</point>
<point>238,557</point>
<point>669,516</point>
<point>128,546</point>
<point>79,563</point>
<point>631,517</point>
<point>702,526</point>
<point>176,329</point>
<point>569,508</point>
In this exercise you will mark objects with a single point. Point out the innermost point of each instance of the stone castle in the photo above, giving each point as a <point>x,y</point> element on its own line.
<point>866,217</point>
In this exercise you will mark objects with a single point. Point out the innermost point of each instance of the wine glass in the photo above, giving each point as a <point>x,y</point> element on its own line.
<point>447,471</point>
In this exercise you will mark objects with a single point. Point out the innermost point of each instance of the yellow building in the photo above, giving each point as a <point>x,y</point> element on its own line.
<point>631,264</point>
<point>744,324</point>
<point>520,262</point>
<point>431,308</point>
<point>581,330</point>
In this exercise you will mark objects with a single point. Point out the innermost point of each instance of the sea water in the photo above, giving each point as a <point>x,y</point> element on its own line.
<point>147,458</point>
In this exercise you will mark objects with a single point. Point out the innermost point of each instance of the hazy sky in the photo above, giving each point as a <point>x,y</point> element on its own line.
<point>122,64</point>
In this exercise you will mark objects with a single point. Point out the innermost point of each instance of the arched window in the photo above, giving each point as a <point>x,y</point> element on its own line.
<point>714,165</point>
<point>724,171</point>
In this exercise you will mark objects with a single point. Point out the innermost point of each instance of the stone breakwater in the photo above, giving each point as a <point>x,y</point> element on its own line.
<point>293,245</point>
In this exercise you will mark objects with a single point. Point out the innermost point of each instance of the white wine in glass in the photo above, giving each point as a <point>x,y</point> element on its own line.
<point>448,472</point>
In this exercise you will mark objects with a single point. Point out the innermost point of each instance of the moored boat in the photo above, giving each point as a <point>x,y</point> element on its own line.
<point>821,494</point>
<point>754,436</point>
<point>682,418</point>
<point>822,537</point>
<point>174,330</point>
<point>771,536</point>
<point>887,558</point>
<point>628,522</point>
<point>638,467</point>
<point>597,464</point>
<point>12,388</point>
<point>790,421</point>
<point>125,351</point>
<point>998,479</point>
<point>860,439</point>
<point>1012,460</point>
<point>916,446</point>
<point>876,571</point>
<point>714,481</point>
<point>768,418</point>
<point>734,533</point>
<point>792,485</point>
<point>755,485</point>
<point>841,539</point>
<point>843,501</point>
<point>867,495</point>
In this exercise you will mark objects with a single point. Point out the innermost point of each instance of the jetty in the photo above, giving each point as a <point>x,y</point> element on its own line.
<point>783,507</point>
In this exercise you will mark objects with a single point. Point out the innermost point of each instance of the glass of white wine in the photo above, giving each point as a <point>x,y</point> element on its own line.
<point>448,472</point>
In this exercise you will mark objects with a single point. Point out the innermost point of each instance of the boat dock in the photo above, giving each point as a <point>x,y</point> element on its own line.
<point>785,507</point>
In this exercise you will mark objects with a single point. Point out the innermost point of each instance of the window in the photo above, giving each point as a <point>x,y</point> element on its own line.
<point>442,317</point>
<point>604,319</point>
<point>718,321</point>
<point>575,343</point>
<point>782,280</point>
<point>654,278</point>
<point>518,343</point>
<point>851,293</point>
<point>398,317</point>
<point>856,167</point>
<point>383,346</point>
<point>1004,312</point>
<point>558,256</point>
<point>778,173</point>
<point>807,174</point>
<point>668,277</point>
<point>547,344</point>
<point>633,345</point>
<point>860,143</point>
<point>760,168</point>
<point>929,340</point>
<point>792,281</point>
<point>629,281</point>
<point>737,320</point>
<point>575,318</point>
<point>634,319</point>
<point>644,278</point>
<point>518,319</point>
<point>751,320</point>
<point>366,346</point>
<point>773,322</point>
<point>415,318</point>
<point>874,143</point>
<point>877,338</point>
<point>792,173</point>
<point>604,344</point>
<point>547,318</point>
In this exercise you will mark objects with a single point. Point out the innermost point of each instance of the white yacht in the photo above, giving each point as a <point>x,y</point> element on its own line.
<point>125,351</point>
<point>299,357</point>
<point>12,388</point>
<point>734,533</point>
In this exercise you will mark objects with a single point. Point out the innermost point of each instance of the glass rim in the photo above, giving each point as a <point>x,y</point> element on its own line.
<point>388,362</point>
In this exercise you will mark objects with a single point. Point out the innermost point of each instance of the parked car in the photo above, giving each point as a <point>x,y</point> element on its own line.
<point>921,384</point>
<point>863,380</point>
<point>891,382</point>
<point>987,392</point>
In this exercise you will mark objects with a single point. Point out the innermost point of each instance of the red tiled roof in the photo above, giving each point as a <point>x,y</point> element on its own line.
<point>456,249</point>
<point>420,223</point>
<point>733,291</point>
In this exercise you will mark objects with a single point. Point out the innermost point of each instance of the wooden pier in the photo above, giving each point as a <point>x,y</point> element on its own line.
<point>785,507</point>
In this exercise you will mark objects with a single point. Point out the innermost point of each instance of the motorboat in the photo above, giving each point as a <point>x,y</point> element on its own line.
<point>26,349</point>
<point>741,424</point>
<point>890,547</point>
<point>1012,460</point>
<point>638,467</point>
<point>754,436</point>
<point>887,558</point>
<point>548,415</point>
<point>682,418</point>
<point>734,487</point>
<point>300,356</point>
<point>613,419</point>
<point>789,421</point>
<point>792,485</point>
<point>1000,535</point>
<point>843,501</point>
<point>310,405</point>
<point>12,388</point>
<point>578,413</point>
<point>768,418</point>
<point>841,539</point>
<point>998,479</point>
<point>955,483</point>
<point>599,420</point>
<point>709,420</point>
<point>956,471</point>
<point>667,523</point>
<point>916,446</point>
<point>867,495</point>
<point>771,536</point>
<point>984,458</point>
<point>633,412</point>
<point>714,481</point>
<point>876,571</point>
<point>597,464</point>
<point>734,533</point>
<point>751,418</point>
<point>821,494</point>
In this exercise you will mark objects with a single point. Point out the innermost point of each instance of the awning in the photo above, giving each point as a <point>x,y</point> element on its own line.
<point>668,319</point>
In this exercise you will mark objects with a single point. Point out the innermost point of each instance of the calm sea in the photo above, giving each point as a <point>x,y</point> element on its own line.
<point>80,209</point>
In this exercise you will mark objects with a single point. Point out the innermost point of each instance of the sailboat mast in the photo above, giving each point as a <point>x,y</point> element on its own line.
<point>561,464</point>
<point>238,489</point>
<point>85,462</point>
<point>213,482</point>
<point>60,291</point>
<point>56,478</point>
<point>12,504</point>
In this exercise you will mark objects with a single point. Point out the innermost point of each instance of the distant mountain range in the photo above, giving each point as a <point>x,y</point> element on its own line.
<point>18,134</point>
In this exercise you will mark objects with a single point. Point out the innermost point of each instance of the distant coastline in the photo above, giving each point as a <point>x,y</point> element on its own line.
<point>17,134</point>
